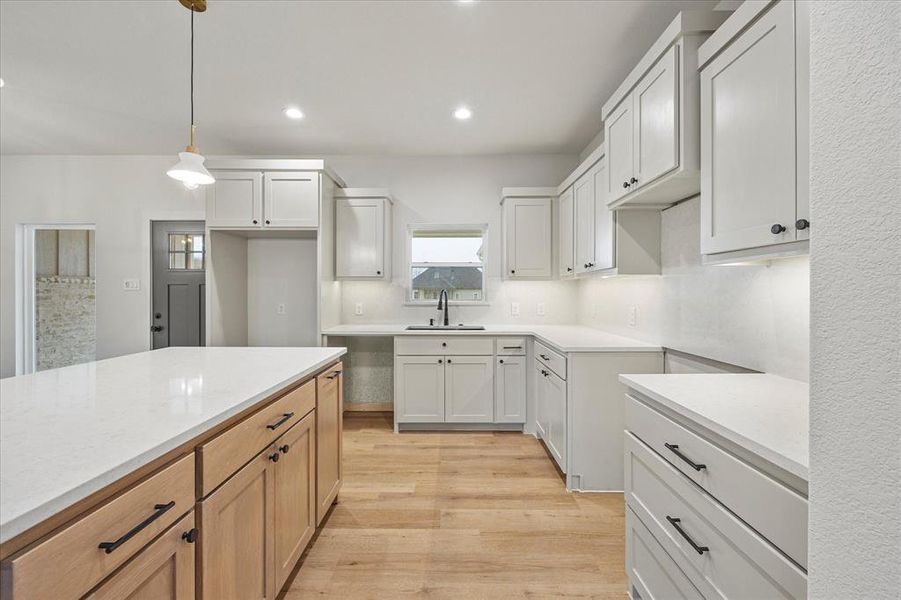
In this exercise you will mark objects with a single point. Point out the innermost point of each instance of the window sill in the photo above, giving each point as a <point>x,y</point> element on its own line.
<point>452,303</point>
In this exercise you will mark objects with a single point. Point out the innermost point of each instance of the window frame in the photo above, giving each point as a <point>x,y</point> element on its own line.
<point>170,252</point>
<point>456,228</point>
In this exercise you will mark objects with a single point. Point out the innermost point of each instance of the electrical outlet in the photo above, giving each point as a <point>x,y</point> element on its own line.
<point>540,309</point>
<point>633,316</point>
<point>358,309</point>
<point>131,285</point>
<point>280,309</point>
<point>514,309</point>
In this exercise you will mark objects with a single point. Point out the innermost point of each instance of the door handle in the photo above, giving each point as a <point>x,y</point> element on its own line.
<point>156,328</point>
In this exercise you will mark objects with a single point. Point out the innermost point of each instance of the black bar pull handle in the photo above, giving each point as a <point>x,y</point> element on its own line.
<point>160,509</point>
<point>674,448</point>
<point>281,421</point>
<point>677,527</point>
<point>333,374</point>
<point>545,357</point>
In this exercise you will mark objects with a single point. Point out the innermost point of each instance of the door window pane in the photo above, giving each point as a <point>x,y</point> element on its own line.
<point>186,251</point>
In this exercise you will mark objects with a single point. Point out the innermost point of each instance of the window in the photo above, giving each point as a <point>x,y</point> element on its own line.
<point>447,258</point>
<point>186,251</point>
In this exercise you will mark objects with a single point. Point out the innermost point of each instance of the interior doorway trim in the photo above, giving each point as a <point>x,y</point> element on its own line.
<point>25,290</point>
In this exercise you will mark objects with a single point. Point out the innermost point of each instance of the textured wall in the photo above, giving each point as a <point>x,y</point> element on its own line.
<point>855,404</point>
<point>755,316</point>
<point>65,324</point>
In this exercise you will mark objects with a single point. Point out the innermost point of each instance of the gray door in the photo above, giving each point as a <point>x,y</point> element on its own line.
<point>179,282</point>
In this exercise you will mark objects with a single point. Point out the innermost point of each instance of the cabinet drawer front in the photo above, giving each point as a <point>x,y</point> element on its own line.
<point>511,346</point>
<point>651,570</point>
<point>226,453</point>
<point>774,510</point>
<point>427,345</point>
<point>555,361</point>
<point>722,556</point>
<point>71,562</point>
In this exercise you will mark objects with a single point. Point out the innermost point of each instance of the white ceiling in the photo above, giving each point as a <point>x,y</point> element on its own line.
<point>373,77</point>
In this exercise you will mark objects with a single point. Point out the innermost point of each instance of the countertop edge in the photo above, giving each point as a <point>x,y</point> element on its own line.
<point>25,521</point>
<point>765,453</point>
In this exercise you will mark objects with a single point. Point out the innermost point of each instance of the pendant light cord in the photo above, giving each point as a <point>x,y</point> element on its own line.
<point>192,77</point>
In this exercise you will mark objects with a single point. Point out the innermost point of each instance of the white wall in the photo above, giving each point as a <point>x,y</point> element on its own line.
<point>120,195</point>
<point>454,190</point>
<point>754,316</point>
<point>855,403</point>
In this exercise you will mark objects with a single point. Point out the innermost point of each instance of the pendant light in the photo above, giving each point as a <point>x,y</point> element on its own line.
<point>189,169</point>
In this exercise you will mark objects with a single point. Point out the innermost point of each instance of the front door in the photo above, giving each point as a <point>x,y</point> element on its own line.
<point>179,282</point>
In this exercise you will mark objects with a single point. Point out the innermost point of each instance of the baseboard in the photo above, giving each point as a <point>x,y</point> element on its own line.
<point>369,407</point>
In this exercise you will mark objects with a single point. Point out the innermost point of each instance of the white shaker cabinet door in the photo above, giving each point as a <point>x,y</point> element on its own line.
<point>528,237</point>
<point>604,223</point>
<point>360,243</point>
<point>656,120</point>
<point>748,188</point>
<point>469,389</point>
<point>618,131</point>
<point>419,389</point>
<point>541,422</point>
<point>567,241</point>
<point>555,392</point>
<point>291,199</point>
<point>235,200</point>
<point>584,202</point>
<point>510,390</point>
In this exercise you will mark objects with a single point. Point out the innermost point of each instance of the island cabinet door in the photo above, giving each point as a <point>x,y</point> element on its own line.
<point>419,389</point>
<point>237,542</point>
<point>329,412</point>
<point>295,495</point>
<point>162,571</point>
<point>469,389</point>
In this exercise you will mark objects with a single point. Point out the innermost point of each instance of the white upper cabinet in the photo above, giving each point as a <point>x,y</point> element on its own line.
<point>584,194</point>
<point>235,200</point>
<point>651,121</point>
<point>528,235</point>
<point>604,223</point>
<point>753,132</point>
<point>250,197</point>
<point>363,234</point>
<point>291,199</point>
<point>567,240</point>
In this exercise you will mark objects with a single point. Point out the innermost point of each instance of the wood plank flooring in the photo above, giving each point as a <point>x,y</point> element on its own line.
<point>460,515</point>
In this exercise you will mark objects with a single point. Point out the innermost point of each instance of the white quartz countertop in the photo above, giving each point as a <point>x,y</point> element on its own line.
<point>765,414</point>
<point>66,433</point>
<point>565,338</point>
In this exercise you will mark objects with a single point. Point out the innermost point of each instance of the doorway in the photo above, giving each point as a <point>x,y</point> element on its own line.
<point>179,255</point>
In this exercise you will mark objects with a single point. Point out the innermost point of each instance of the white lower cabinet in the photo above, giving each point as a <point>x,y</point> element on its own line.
<point>550,412</point>
<point>469,389</point>
<point>419,389</point>
<point>510,389</point>
<point>652,573</point>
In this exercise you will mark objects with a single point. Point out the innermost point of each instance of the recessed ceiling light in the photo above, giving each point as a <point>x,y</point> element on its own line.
<point>466,1</point>
<point>462,113</point>
<point>292,112</point>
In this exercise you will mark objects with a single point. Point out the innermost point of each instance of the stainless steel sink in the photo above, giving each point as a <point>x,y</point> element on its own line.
<point>445,328</point>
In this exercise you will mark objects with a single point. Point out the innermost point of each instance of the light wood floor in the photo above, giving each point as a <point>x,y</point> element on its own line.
<point>460,515</point>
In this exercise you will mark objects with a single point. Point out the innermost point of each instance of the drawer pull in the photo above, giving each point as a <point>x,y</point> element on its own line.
<point>281,421</point>
<point>674,448</point>
<point>333,374</point>
<point>675,524</point>
<point>160,509</point>
<point>545,356</point>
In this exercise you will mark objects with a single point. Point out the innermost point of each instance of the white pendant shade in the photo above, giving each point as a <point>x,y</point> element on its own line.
<point>190,170</point>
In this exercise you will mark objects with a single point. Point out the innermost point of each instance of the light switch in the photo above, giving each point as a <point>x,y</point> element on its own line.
<point>633,316</point>
<point>358,308</point>
<point>514,309</point>
<point>540,309</point>
<point>280,309</point>
<point>131,285</point>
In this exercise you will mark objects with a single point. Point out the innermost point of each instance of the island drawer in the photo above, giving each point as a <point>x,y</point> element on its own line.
<point>511,346</point>
<point>774,510</point>
<point>226,453</point>
<point>555,361</point>
<point>722,556</point>
<point>75,559</point>
<point>417,345</point>
<point>650,568</point>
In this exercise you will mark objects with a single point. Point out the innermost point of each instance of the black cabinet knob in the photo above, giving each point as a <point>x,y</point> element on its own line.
<point>569,269</point>
<point>190,536</point>
<point>802,224</point>
<point>440,361</point>
<point>777,228</point>
<point>625,184</point>
<point>267,221</point>
<point>513,270</point>
<point>444,344</point>
<point>633,180</point>
<point>284,449</point>
<point>255,222</point>
<point>501,361</point>
<point>448,361</point>
<point>378,272</point>
<point>274,456</point>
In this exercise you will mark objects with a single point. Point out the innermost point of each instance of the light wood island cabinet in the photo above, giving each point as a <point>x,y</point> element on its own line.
<point>228,514</point>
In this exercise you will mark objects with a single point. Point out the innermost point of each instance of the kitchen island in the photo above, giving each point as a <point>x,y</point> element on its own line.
<point>89,451</point>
